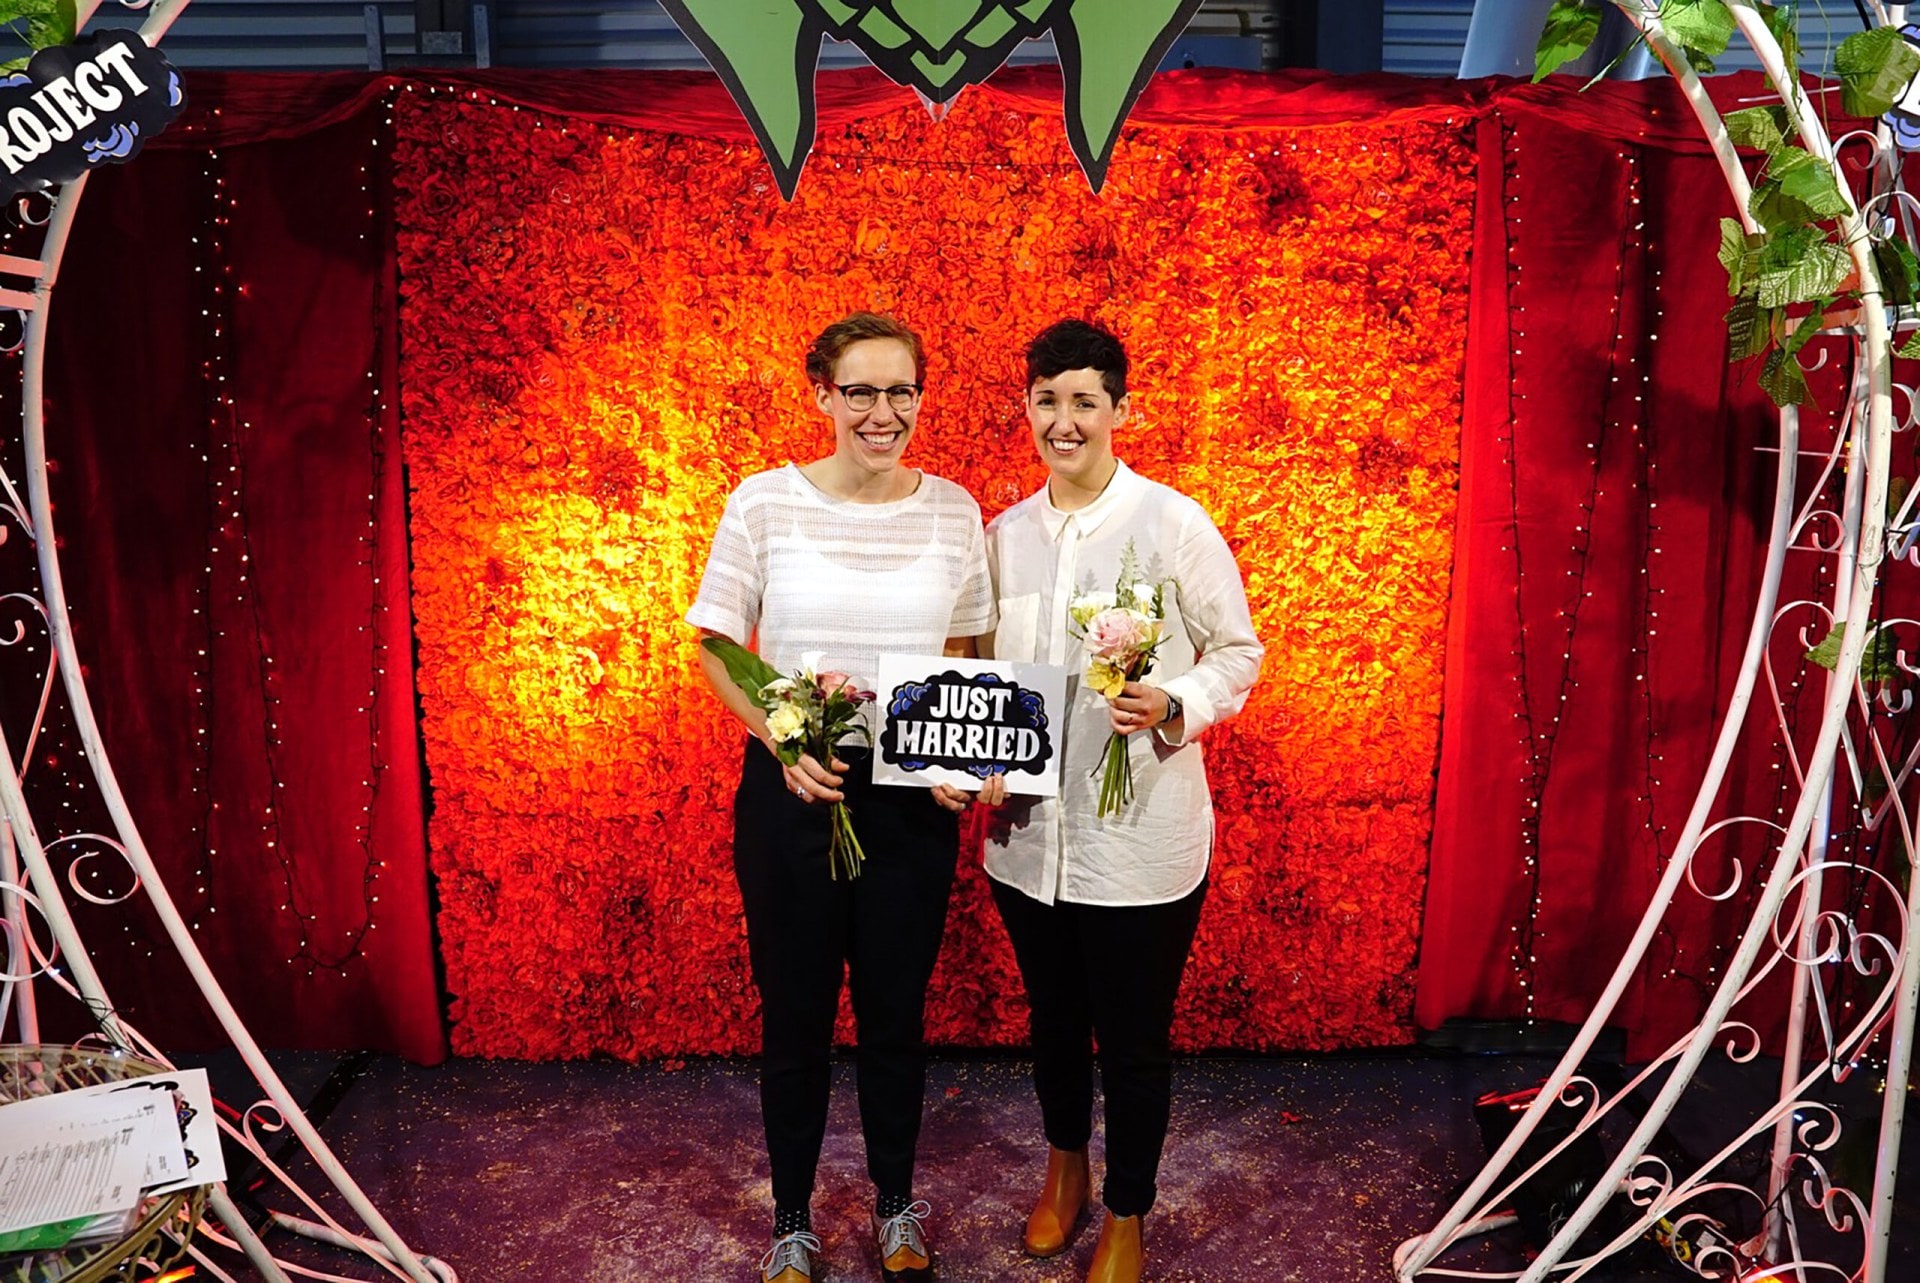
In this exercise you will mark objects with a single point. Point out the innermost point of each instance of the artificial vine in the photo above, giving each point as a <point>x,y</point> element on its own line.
<point>1788,278</point>
<point>46,23</point>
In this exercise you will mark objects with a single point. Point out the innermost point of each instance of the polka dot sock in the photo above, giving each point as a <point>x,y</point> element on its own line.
<point>792,1220</point>
<point>888,1206</point>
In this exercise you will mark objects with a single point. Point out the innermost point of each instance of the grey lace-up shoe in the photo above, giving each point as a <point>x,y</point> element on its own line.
<point>790,1259</point>
<point>903,1244</point>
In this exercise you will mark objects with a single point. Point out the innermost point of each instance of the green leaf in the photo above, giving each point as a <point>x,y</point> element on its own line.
<point>1899,270</point>
<point>1799,266</point>
<point>1762,128</point>
<point>1809,326</point>
<point>1749,328</point>
<point>1911,348</point>
<point>1782,379</point>
<point>1813,185</point>
<point>1799,188</point>
<point>1780,21</point>
<point>1698,26</point>
<point>747,670</point>
<point>1877,657</point>
<point>1740,254</point>
<point>1733,251</point>
<point>1571,28</point>
<point>1875,68</point>
<point>49,22</point>
<point>12,65</point>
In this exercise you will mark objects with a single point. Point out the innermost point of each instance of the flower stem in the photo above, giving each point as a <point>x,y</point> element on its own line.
<point>1116,777</point>
<point>843,846</point>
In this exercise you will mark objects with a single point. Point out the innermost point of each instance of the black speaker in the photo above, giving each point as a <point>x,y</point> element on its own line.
<point>1548,1197</point>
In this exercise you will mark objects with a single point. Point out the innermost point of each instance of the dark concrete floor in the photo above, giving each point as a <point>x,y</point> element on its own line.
<point>1301,1170</point>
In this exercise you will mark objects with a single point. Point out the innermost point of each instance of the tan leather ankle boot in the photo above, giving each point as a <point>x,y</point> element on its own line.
<point>1121,1257</point>
<point>1062,1198</point>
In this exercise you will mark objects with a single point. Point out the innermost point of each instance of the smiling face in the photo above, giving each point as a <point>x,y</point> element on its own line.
<point>870,440</point>
<point>1073,418</point>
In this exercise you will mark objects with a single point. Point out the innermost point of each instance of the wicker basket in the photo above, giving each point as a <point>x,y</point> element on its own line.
<point>164,1225</point>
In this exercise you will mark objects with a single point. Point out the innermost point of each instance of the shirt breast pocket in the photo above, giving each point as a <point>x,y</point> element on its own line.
<point>1017,635</point>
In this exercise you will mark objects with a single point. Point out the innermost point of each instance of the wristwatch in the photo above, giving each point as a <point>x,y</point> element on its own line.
<point>1173,708</point>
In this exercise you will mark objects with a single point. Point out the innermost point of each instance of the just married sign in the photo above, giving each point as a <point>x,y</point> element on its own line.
<point>959,721</point>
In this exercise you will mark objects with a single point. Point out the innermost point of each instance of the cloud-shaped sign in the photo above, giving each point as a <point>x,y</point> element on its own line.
<point>83,105</point>
<point>767,51</point>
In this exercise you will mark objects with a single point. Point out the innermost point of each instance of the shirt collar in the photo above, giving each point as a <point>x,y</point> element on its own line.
<point>1125,480</point>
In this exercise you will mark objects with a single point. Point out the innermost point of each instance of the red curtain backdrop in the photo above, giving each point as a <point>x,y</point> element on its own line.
<point>1615,492</point>
<point>230,504</point>
<point>604,306</point>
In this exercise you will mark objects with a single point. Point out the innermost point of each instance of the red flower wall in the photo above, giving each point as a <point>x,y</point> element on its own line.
<point>601,335</point>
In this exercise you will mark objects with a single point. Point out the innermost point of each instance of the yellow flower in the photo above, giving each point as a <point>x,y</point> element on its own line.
<point>1106,678</point>
<point>786,722</point>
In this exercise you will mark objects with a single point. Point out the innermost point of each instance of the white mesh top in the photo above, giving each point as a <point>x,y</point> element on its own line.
<point>805,571</point>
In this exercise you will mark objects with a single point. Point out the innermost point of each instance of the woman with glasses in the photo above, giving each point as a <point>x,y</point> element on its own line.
<point>852,555</point>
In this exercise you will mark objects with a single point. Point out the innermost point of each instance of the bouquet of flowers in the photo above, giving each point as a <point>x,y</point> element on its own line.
<point>807,713</point>
<point>1119,633</point>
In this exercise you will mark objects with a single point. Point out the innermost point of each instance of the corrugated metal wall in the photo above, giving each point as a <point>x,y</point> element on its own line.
<point>332,35</point>
<point>1421,37</point>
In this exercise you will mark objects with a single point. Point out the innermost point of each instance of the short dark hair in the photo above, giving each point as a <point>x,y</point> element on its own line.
<point>858,327</point>
<point>1079,345</point>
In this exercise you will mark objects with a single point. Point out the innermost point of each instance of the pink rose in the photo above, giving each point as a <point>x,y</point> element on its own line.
<point>1118,634</point>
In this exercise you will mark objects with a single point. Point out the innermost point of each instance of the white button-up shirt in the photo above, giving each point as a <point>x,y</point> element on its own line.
<point>1156,848</point>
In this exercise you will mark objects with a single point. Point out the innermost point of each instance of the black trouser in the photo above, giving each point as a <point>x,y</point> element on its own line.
<point>803,928</point>
<point>1107,973</point>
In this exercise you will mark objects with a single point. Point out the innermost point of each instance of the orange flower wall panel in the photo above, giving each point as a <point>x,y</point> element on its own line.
<point>602,334</point>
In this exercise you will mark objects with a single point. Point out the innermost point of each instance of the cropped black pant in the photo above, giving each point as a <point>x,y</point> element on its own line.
<point>1111,974</point>
<point>804,931</point>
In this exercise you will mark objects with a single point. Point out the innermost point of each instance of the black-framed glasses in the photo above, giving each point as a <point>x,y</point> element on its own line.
<point>864,396</point>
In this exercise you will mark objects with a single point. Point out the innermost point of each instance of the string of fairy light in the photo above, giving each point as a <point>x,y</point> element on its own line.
<point>231,604</point>
<point>1540,729</point>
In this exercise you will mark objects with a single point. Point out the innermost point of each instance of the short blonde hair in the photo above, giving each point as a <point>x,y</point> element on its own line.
<point>858,327</point>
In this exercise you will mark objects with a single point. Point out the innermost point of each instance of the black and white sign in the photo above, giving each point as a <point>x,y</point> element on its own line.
<point>79,106</point>
<point>960,721</point>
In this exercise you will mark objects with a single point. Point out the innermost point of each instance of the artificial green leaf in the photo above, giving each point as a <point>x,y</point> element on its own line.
<point>1878,658</point>
<point>1733,254</point>
<point>1571,28</point>
<point>1911,348</point>
<point>1762,128</point>
<point>12,65</point>
<point>1899,270</point>
<point>49,22</point>
<point>1816,273</point>
<point>1699,26</point>
<point>1749,327</point>
<point>1779,20</point>
<point>1782,379</point>
<point>1813,185</point>
<point>1827,653</point>
<point>1799,188</point>
<point>1698,61</point>
<point>1875,68</point>
<point>747,670</point>
<point>1809,326</point>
